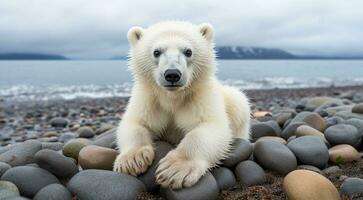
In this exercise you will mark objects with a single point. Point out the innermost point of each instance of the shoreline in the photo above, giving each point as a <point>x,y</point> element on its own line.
<point>256,94</point>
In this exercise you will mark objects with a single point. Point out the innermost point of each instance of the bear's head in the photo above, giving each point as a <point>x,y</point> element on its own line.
<point>172,55</point>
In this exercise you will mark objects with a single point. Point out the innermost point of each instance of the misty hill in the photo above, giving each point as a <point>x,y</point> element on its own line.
<point>31,56</point>
<point>239,52</point>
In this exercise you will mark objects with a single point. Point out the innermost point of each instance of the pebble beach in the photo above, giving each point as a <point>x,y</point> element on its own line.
<point>304,144</point>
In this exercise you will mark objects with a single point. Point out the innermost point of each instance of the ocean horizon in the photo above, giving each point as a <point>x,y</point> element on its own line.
<point>47,80</point>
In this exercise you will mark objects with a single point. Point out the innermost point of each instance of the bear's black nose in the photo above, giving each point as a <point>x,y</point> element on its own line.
<point>172,75</point>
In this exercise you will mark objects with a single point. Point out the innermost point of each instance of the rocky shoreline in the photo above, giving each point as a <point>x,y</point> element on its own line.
<point>303,142</point>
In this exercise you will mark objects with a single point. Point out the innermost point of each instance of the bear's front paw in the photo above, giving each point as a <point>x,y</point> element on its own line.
<point>175,170</point>
<point>135,161</point>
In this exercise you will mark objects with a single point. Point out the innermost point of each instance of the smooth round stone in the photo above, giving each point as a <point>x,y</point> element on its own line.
<point>314,102</point>
<point>85,132</point>
<point>305,130</point>
<point>106,139</point>
<point>53,192</point>
<point>96,184</point>
<point>56,163</point>
<point>358,108</point>
<point>260,129</point>
<point>29,180</point>
<point>59,122</point>
<point>224,177</point>
<point>312,119</point>
<point>343,134</point>
<point>104,128</point>
<point>240,150</point>
<point>310,150</point>
<point>290,130</point>
<point>339,108</point>
<point>261,114</point>
<point>274,156</point>
<point>55,146</point>
<point>8,190</point>
<point>331,170</point>
<point>349,115</point>
<point>21,154</point>
<point>205,188</point>
<point>306,184</point>
<point>358,123</point>
<point>51,134</point>
<point>96,157</point>
<point>3,168</point>
<point>352,186</point>
<point>73,147</point>
<point>343,153</point>
<point>274,138</point>
<point>310,167</point>
<point>283,117</point>
<point>250,173</point>
<point>148,178</point>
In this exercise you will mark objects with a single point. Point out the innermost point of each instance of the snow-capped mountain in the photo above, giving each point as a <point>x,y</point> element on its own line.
<point>240,52</point>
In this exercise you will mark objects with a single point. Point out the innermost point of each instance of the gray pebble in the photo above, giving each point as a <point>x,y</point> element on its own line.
<point>343,134</point>
<point>56,163</point>
<point>53,192</point>
<point>250,173</point>
<point>59,122</point>
<point>106,139</point>
<point>274,156</point>
<point>97,184</point>
<point>331,170</point>
<point>205,188</point>
<point>224,177</point>
<point>148,178</point>
<point>352,186</point>
<point>358,123</point>
<point>29,180</point>
<point>21,154</point>
<point>349,115</point>
<point>260,129</point>
<point>3,168</point>
<point>240,150</point>
<point>85,132</point>
<point>8,190</point>
<point>310,150</point>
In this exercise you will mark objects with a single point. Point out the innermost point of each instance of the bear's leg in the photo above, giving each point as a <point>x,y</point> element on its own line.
<point>136,150</point>
<point>201,149</point>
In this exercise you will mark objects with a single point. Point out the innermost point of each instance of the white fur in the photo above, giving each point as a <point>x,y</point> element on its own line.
<point>202,117</point>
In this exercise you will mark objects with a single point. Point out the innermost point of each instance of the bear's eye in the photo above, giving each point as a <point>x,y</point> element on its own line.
<point>188,53</point>
<point>157,53</point>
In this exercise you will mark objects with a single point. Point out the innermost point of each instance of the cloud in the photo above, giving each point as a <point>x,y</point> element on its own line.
<point>97,29</point>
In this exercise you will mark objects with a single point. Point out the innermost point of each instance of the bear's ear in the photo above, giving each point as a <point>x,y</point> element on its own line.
<point>134,35</point>
<point>207,31</point>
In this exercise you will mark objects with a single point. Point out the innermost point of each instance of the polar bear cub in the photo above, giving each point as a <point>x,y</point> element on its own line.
<point>176,97</point>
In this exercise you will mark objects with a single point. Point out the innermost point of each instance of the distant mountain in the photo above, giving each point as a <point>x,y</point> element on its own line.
<point>239,52</point>
<point>31,56</point>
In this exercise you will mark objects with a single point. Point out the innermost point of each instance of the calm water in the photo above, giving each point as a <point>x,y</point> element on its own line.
<point>42,80</point>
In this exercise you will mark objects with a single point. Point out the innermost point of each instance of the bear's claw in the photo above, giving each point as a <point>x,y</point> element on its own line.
<point>135,161</point>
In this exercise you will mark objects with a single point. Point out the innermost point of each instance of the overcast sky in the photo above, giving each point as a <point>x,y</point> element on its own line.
<point>97,29</point>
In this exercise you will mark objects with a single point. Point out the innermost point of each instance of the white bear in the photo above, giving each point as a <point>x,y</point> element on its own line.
<point>177,97</point>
